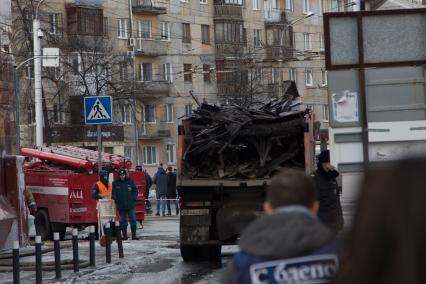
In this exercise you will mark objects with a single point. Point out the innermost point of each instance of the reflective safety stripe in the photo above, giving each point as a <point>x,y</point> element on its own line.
<point>52,190</point>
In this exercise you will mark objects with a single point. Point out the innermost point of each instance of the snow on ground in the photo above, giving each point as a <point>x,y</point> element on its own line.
<point>155,258</point>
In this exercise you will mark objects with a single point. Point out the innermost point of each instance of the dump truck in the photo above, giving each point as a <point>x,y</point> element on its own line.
<point>61,180</point>
<point>226,158</point>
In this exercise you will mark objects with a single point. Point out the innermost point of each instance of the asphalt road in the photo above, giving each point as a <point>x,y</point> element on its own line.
<point>155,258</point>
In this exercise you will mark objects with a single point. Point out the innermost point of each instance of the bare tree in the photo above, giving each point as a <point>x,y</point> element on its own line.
<point>89,65</point>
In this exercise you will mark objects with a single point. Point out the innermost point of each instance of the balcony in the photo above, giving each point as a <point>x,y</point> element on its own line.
<point>274,17</point>
<point>279,53</point>
<point>147,7</point>
<point>228,12</point>
<point>147,47</point>
<point>234,50</point>
<point>154,131</point>
<point>153,88</point>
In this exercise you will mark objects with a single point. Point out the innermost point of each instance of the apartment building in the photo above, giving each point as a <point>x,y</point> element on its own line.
<point>157,58</point>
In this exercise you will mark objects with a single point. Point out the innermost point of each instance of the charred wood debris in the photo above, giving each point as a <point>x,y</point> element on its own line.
<point>245,142</point>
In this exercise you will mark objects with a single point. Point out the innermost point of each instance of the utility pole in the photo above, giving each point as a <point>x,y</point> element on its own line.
<point>37,35</point>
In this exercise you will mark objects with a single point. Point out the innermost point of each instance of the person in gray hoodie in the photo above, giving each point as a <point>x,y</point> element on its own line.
<point>289,230</point>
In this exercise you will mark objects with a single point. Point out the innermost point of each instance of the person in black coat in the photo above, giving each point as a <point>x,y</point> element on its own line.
<point>171,191</point>
<point>330,211</point>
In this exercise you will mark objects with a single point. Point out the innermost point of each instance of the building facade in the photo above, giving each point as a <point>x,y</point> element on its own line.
<point>160,58</point>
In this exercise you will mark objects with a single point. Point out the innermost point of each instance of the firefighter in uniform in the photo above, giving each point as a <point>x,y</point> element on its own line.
<point>125,193</point>
<point>102,189</point>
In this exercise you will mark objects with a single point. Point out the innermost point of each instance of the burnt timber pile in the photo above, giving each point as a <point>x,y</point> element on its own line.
<point>241,143</point>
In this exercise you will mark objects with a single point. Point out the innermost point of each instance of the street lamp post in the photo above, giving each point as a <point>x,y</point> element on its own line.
<point>18,130</point>
<point>37,35</point>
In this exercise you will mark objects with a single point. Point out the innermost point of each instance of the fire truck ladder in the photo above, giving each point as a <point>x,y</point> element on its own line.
<point>112,160</point>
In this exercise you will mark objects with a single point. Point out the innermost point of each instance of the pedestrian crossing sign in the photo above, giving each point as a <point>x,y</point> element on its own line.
<point>98,109</point>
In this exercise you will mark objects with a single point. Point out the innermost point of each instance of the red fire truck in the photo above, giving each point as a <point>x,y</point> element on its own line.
<point>61,181</point>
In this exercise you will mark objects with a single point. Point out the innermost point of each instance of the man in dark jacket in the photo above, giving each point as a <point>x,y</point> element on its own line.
<point>160,180</point>
<point>330,210</point>
<point>125,194</point>
<point>288,237</point>
<point>171,191</point>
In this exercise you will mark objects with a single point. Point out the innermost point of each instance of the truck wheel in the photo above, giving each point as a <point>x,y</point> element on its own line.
<point>42,224</point>
<point>212,253</point>
<point>189,253</point>
<point>60,228</point>
<point>200,253</point>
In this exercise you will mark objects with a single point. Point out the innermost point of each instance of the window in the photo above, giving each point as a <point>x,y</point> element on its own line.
<point>150,155</point>
<point>84,21</point>
<point>168,72</point>
<point>275,72</point>
<point>229,33</point>
<point>289,5</point>
<point>54,73</point>
<point>55,21</point>
<point>171,153</point>
<point>294,41</point>
<point>306,6</point>
<point>165,30</point>
<point>188,109</point>
<point>123,71</point>
<point>205,34</point>
<point>323,77</point>
<point>122,28</point>
<point>58,116</point>
<point>257,38</point>
<point>206,73</point>
<point>321,40</point>
<point>326,114</point>
<point>144,29</point>
<point>149,113</point>
<point>186,33</point>
<point>292,74</point>
<point>235,2</point>
<point>187,72</point>
<point>146,71</point>
<point>307,43</point>
<point>126,114</point>
<point>308,77</point>
<point>169,112</point>
<point>30,114</point>
<point>105,27</point>
<point>128,152</point>
<point>257,4</point>
<point>30,70</point>
<point>203,1</point>
<point>75,63</point>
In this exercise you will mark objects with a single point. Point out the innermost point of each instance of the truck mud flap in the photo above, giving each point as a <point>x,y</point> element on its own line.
<point>231,221</point>
<point>195,225</point>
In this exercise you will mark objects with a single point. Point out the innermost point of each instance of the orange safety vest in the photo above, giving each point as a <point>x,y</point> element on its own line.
<point>104,192</point>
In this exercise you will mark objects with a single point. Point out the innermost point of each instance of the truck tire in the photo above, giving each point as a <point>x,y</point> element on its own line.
<point>60,228</point>
<point>200,253</point>
<point>212,253</point>
<point>42,224</point>
<point>189,253</point>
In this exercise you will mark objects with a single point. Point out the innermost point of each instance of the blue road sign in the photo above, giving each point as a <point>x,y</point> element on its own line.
<point>98,110</point>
